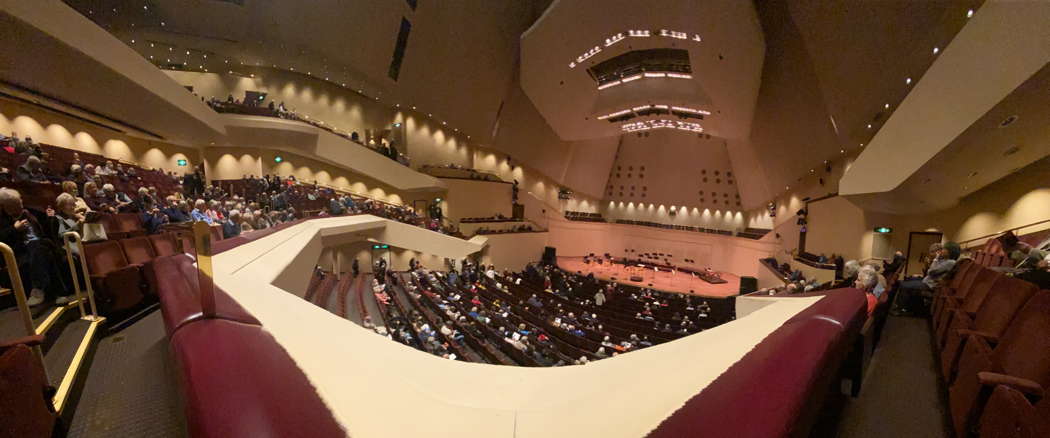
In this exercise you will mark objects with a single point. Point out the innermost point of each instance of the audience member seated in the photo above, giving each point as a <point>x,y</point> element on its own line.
<point>913,291</point>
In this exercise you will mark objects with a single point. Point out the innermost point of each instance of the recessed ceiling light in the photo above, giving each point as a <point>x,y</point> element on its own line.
<point>887,106</point>
<point>812,170</point>
<point>969,13</point>
<point>862,145</point>
<point>972,174</point>
<point>907,81</point>
<point>1006,122</point>
<point>842,151</point>
<point>869,125</point>
<point>936,50</point>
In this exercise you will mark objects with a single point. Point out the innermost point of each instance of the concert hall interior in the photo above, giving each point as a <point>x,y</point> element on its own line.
<point>525,218</point>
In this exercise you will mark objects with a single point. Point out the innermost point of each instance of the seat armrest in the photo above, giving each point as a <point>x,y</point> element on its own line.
<point>28,341</point>
<point>993,339</point>
<point>1026,386</point>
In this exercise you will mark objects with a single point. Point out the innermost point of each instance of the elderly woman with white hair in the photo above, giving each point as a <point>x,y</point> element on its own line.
<point>867,280</point>
<point>118,201</point>
<point>31,235</point>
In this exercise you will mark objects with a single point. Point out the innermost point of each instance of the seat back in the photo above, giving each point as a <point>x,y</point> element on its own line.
<point>964,271</point>
<point>967,280</point>
<point>1002,304</point>
<point>128,222</point>
<point>1022,350</point>
<point>103,257</point>
<point>164,244</point>
<point>137,250</point>
<point>983,283</point>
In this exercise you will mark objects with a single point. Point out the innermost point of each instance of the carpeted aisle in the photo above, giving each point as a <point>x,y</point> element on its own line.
<point>902,395</point>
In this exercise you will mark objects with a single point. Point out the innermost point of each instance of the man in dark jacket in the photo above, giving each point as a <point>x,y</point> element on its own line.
<point>33,238</point>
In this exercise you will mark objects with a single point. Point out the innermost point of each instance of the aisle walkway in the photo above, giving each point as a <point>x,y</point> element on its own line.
<point>902,395</point>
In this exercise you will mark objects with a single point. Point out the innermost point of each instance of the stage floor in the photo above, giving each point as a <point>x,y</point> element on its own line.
<point>680,282</point>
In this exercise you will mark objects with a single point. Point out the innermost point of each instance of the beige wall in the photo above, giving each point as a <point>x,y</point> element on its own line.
<point>234,163</point>
<point>476,199</point>
<point>428,141</point>
<point>514,251</point>
<point>56,129</point>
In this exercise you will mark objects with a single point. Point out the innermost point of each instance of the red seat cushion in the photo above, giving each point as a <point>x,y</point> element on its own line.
<point>180,298</point>
<point>239,382</point>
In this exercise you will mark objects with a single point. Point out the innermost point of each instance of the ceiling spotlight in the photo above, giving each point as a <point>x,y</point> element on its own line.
<point>443,123</point>
<point>812,170</point>
<point>862,145</point>
<point>842,151</point>
<point>936,50</point>
<point>869,125</point>
<point>430,115</point>
<point>187,52</point>
<point>907,81</point>
<point>887,106</point>
<point>132,41</point>
<point>969,13</point>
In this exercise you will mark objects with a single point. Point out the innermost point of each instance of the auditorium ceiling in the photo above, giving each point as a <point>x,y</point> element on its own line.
<point>782,85</point>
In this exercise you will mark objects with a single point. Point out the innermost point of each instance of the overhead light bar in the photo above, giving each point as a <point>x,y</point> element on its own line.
<point>655,106</point>
<point>607,85</point>
<point>631,78</point>
<point>647,75</point>
<point>661,124</point>
<point>680,75</point>
<point>690,110</point>
<point>655,75</point>
<point>634,33</point>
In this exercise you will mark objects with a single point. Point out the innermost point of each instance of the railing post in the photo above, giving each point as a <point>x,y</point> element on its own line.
<point>202,242</point>
<point>72,238</point>
<point>88,289</point>
<point>20,299</point>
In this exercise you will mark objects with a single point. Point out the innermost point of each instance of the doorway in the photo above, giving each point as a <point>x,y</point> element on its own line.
<point>918,249</point>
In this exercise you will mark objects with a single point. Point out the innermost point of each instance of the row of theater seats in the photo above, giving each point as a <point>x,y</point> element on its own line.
<point>119,271</point>
<point>985,258</point>
<point>235,378</point>
<point>992,333</point>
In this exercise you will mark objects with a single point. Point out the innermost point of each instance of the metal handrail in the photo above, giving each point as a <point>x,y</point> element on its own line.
<point>20,299</point>
<point>73,238</point>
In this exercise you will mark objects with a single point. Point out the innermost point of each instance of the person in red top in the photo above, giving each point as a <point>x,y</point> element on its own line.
<point>866,281</point>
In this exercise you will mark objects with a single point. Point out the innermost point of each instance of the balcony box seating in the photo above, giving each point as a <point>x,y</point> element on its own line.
<point>1018,360</point>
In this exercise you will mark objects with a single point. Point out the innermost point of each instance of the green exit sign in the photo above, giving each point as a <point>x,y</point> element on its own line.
<point>883,230</point>
<point>182,162</point>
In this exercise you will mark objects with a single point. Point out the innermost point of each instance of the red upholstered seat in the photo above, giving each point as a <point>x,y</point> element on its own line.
<point>117,282</point>
<point>950,293</point>
<point>1018,360</point>
<point>965,270</point>
<point>991,319</point>
<point>180,297</point>
<point>239,382</point>
<point>1009,414</point>
<point>985,281</point>
<point>138,250</point>
<point>164,244</point>
<point>25,396</point>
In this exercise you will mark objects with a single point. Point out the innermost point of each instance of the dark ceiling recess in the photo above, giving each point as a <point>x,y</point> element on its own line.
<point>412,4</point>
<point>399,49</point>
<point>639,61</point>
